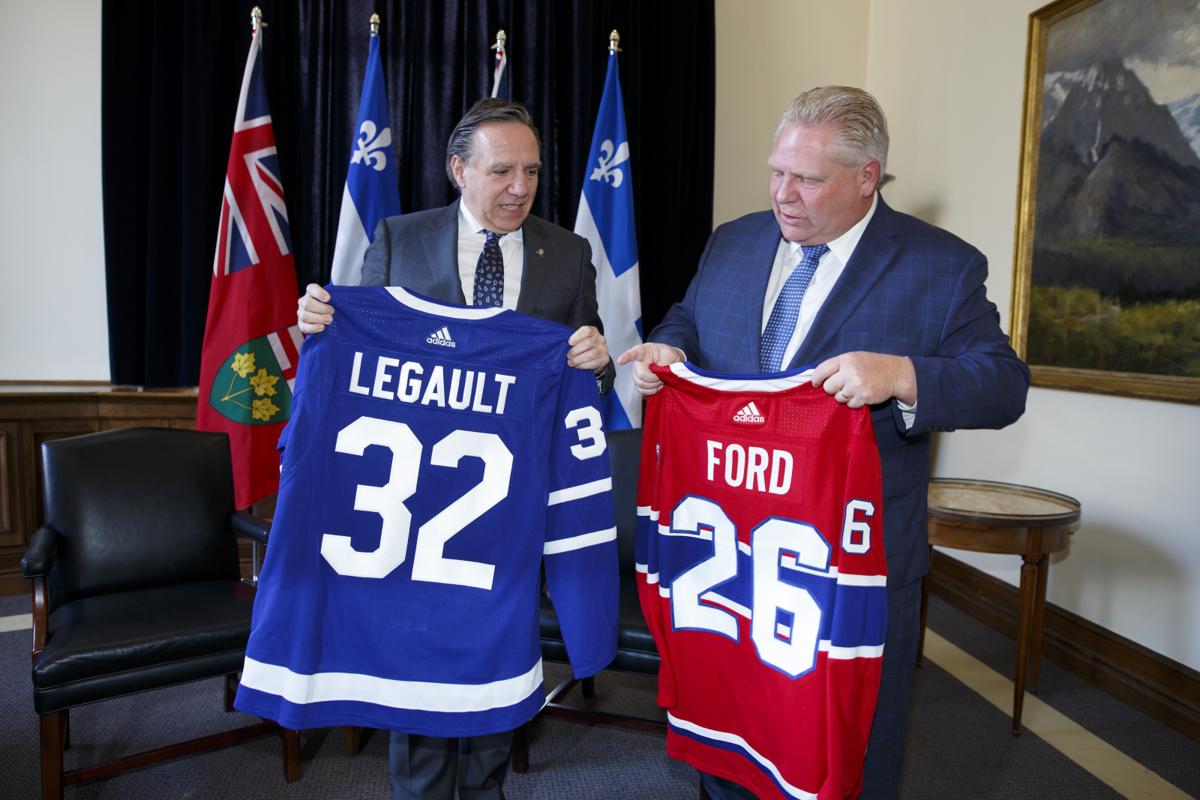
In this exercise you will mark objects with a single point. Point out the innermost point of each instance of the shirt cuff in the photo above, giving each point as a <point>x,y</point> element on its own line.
<point>908,413</point>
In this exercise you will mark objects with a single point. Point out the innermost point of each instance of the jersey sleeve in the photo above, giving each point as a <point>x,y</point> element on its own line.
<point>859,623</point>
<point>646,549</point>
<point>580,552</point>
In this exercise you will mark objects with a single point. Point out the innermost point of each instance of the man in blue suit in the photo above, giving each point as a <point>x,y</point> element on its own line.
<point>893,313</point>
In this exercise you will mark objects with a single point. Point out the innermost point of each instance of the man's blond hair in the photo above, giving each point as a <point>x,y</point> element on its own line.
<point>857,114</point>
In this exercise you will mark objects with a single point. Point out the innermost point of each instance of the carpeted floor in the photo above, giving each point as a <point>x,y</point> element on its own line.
<point>959,744</point>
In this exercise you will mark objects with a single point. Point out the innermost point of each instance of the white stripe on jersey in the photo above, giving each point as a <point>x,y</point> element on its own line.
<point>744,746</point>
<point>861,580</point>
<point>578,542</point>
<point>441,310</point>
<point>848,653</point>
<point>647,511</point>
<point>752,383</point>
<point>580,491</point>
<point>651,577</point>
<point>456,698</point>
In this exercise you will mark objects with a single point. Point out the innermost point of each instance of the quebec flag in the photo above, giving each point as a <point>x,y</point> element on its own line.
<point>605,219</point>
<point>371,192</point>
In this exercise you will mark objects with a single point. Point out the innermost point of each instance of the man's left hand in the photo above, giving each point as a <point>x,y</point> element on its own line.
<point>588,349</point>
<point>863,379</point>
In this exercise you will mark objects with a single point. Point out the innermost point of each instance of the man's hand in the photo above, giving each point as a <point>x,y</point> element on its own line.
<point>863,379</point>
<point>588,349</point>
<point>642,356</point>
<point>313,311</point>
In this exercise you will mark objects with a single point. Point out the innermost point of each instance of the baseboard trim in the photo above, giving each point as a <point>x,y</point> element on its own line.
<point>1162,688</point>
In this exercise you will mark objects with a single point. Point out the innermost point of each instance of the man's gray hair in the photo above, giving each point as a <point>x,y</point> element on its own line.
<point>485,112</point>
<point>857,115</point>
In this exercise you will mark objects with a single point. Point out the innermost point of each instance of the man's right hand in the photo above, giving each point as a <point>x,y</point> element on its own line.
<point>313,311</point>
<point>642,356</point>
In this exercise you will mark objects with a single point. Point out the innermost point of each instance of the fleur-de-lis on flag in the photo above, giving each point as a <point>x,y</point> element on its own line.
<point>371,148</point>
<point>609,161</point>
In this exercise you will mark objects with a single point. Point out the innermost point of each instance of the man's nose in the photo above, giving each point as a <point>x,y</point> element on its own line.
<point>520,185</point>
<point>786,192</point>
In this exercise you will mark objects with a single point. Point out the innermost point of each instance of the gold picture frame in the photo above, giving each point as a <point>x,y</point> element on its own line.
<point>1065,260</point>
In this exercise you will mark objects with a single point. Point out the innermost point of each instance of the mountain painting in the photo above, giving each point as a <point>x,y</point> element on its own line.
<point>1115,267</point>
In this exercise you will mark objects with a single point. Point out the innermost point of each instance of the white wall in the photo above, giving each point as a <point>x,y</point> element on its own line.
<point>769,51</point>
<point>54,325</point>
<point>951,77</point>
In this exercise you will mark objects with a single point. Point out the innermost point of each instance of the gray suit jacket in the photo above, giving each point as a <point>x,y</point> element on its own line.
<point>419,251</point>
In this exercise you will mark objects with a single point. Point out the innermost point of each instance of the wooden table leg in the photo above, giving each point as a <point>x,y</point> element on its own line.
<point>1029,569</point>
<point>1039,616</point>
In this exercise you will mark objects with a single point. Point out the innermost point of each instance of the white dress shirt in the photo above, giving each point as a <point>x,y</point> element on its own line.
<point>829,269</point>
<point>471,238</point>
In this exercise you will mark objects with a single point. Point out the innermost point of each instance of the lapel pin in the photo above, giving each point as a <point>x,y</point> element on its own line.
<point>541,252</point>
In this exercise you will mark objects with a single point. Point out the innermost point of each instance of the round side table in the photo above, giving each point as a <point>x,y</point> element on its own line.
<point>992,517</point>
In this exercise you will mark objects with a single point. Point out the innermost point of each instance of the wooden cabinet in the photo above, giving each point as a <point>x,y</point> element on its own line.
<point>31,414</point>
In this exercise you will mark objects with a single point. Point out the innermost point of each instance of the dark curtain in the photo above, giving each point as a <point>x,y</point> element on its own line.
<point>171,72</point>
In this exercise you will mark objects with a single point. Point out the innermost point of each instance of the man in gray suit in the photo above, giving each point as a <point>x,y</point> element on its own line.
<point>487,248</point>
<point>493,158</point>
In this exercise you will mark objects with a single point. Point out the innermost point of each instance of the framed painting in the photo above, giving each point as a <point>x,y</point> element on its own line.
<point>1106,291</point>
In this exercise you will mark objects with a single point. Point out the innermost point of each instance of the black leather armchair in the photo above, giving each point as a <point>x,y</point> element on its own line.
<point>136,584</point>
<point>636,651</point>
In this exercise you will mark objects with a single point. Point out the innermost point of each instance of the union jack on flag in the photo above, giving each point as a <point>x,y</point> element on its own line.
<point>253,214</point>
<point>251,341</point>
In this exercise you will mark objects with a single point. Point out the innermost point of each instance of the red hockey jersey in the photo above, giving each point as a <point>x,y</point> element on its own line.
<point>762,575</point>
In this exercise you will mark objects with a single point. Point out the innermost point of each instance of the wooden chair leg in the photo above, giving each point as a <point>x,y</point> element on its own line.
<point>291,754</point>
<point>520,749</point>
<point>231,685</point>
<point>66,720</point>
<point>51,735</point>
<point>354,739</point>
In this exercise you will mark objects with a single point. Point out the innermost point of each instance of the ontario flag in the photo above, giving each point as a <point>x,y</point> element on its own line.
<point>251,342</point>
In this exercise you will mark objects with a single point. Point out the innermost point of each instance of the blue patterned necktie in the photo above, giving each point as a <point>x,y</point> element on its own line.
<point>489,273</point>
<point>778,333</point>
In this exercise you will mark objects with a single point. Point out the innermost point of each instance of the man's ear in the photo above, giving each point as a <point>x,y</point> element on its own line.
<point>457,165</point>
<point>868,177</point>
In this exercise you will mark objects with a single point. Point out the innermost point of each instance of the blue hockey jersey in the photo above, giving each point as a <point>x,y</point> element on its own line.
<point>437,456</point>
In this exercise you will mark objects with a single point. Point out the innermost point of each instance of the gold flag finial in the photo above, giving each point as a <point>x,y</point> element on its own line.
<point>501,40</point>
<point>375,24</point>
<point>256,20</point>
<point>614,39</point>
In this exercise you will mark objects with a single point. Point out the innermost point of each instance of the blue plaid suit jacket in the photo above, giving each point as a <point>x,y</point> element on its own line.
<point>910,289</point>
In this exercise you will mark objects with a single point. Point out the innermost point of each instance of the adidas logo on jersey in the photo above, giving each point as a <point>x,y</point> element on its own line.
<point>441,337</point>
<point>749,414</point>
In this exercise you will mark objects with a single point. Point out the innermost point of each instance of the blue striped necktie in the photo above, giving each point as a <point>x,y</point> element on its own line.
<point>778,333</point>
<point>489,273</point>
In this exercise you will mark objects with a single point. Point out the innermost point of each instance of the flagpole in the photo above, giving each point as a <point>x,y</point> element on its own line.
<point>375,24</point>
<point>500,87</point>
<point>614,39</point>
<point>256,20</point>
